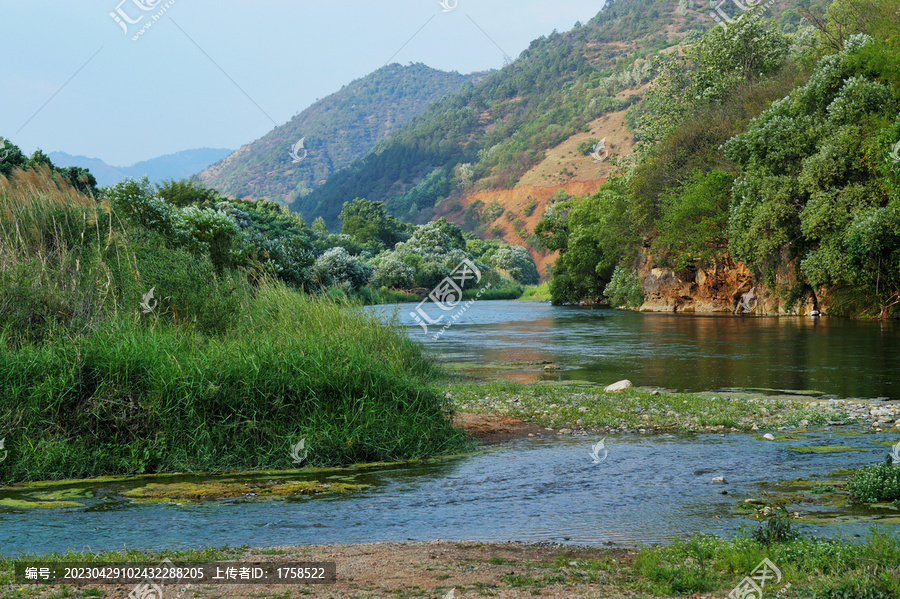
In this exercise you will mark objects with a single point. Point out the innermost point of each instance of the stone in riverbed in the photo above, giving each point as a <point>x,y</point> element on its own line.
<point>719,480</point>
<point>620,386</point>
<point>769,436</point>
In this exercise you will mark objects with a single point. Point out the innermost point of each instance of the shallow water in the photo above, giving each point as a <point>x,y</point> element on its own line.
<point>837,357</point>
<point>649,489</point>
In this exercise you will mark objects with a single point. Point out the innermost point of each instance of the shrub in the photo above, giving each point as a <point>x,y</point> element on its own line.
<point>624,289</point>
<point>338,267</point>
<point>517,262</point>
<point>774,526</point>
<point>874,483</point>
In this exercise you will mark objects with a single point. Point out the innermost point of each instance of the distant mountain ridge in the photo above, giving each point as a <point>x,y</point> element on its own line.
<point>335,131</point>
<point>180,165</point>
<point>490,134</point>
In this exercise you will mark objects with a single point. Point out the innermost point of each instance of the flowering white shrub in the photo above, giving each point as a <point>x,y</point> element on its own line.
<point>338,267</point>
<point>517,262</point>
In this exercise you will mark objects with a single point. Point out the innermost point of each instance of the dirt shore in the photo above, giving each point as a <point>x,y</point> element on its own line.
<point>429,570</point>
<point>490,429</point>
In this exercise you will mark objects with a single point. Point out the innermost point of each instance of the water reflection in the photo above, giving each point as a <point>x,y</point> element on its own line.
<point>686,352</point>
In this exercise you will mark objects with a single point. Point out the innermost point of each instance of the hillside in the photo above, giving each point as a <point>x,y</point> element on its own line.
<point>766,179</point>
<point>335,131</point>
<point>176,166</point>
<point>489,135</point>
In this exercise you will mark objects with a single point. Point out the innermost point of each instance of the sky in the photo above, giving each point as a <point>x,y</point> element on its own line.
<point>90,78</point>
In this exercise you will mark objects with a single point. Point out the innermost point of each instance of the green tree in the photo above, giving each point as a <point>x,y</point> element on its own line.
<point>368,222</point>
<point>694,220</point>
<point>187,192</point>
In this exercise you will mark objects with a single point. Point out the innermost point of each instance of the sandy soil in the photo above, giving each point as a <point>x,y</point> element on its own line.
<point>431,570</point>
<point>492,428</point>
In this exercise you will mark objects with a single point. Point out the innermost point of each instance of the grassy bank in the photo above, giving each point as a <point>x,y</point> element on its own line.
<point>537,293</point>
<point>221,368</point>
<point>560,406</point>
<point>138,395</point>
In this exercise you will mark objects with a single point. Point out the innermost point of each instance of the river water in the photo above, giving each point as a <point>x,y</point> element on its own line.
<point>836,357</point>
<point>649,489</point>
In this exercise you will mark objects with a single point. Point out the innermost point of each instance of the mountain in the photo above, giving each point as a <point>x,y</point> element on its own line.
<point>330,134</point>
<point>180,165</point>
<point>488,135</point>
<point>104,173</point>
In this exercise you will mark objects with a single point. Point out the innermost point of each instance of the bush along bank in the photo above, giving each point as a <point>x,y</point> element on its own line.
<point>128,350</point>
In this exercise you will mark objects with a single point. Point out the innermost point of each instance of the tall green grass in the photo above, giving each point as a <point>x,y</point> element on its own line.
<point>135,397</point>
<point>224,373</point>
<point>61,261</point>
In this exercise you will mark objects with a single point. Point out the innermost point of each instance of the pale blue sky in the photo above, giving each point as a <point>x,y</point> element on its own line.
<point>134,100</point>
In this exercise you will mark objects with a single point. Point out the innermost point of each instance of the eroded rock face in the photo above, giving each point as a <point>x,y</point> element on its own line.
<point>724,286</point>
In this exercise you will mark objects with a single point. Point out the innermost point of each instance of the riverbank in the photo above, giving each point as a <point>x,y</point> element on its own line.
<point>700,567</point>
<point>523,410</point>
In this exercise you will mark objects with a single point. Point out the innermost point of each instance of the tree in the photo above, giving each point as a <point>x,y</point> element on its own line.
<point>187,192</point>
<point>368,222</point>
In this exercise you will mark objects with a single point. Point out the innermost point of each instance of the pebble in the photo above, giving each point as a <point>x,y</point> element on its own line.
<point>719,480</point>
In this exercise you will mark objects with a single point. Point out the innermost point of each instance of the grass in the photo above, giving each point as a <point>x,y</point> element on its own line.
<point>226,372</point>
<point>822,568</point>
<point>139,396</point>
<point>537,293</point>
<point>573,406</point>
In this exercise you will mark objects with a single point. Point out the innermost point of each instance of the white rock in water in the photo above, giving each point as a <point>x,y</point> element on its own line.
<point>769,436</point>
<point>719,480</point>
<point>620,386</point>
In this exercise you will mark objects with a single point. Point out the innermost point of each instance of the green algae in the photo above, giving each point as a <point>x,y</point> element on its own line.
<point>62,494</point>
<point>887,443</point>
<point>25,504</point>
<point>825,449</point>
<point>211,490</point>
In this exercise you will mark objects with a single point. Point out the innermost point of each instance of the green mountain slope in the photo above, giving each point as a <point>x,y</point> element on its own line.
<point>489,134</point>
<point>335,131</point>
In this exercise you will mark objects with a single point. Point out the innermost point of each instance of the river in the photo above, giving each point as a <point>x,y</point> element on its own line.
<point>832,356</point>
<point>649,489</point>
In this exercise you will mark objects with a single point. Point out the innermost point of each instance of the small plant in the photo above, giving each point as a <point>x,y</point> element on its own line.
<point>775,525</point>
<point>874,483</point>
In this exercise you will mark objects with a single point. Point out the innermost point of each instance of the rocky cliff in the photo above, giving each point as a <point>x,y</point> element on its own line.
<point>724,286</point>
